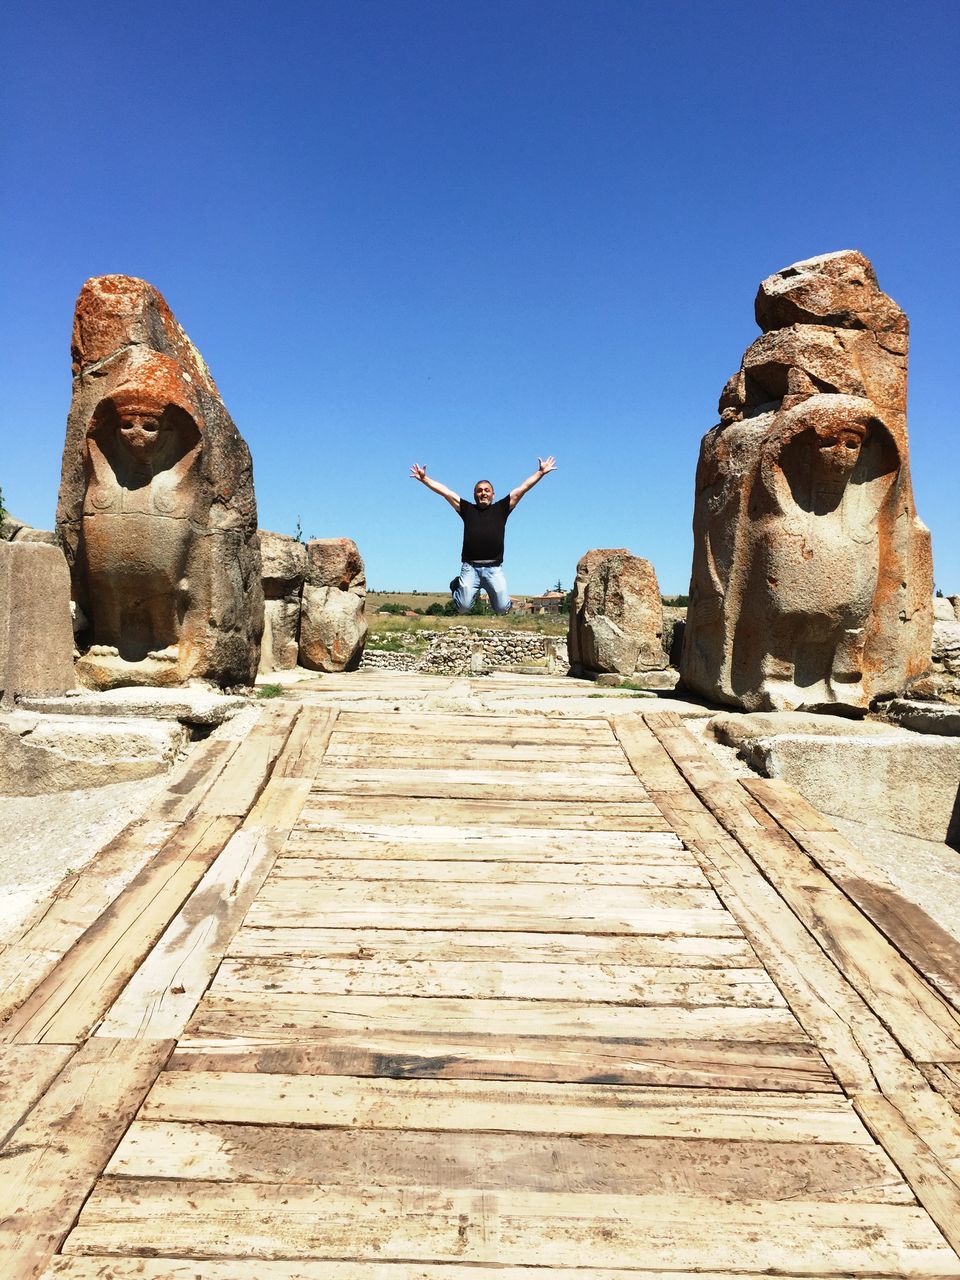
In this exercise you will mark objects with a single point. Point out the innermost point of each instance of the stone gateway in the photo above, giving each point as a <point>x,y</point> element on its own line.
<point>157,514</point>
<point>812,575</point>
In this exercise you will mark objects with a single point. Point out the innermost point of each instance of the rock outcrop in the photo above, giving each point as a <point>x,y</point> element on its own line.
<point>284,572</point>
<point>333,624</point>
<point>616,615</point>
<point>812,576</point>
<point>36,635</point>
<point>157,514</point>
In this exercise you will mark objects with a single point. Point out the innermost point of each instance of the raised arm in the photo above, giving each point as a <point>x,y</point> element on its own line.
<point>418,472</point>
<point>545,465</point>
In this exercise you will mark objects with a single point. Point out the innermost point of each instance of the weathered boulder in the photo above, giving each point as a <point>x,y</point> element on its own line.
<point>284,570</point>
<point>36,635</point>
<point>39,754</point>
<point>616,615</point>
<point>945,646</point>
<point>333,624</point>
<point>157,514</point>
<point>812,575</point>
<point>943,610</point>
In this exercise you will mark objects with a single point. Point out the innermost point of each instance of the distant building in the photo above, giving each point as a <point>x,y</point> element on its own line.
<point>549,602</point>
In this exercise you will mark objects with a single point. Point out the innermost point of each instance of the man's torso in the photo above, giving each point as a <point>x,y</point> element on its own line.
<point>483,529</point>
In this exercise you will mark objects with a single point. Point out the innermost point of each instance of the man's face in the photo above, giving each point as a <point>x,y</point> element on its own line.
<point>483,493</point>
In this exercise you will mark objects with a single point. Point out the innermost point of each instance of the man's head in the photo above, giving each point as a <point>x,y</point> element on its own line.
<point>483,493</point>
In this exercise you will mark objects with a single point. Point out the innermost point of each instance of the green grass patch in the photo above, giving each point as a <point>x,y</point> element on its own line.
<point>270,691</point>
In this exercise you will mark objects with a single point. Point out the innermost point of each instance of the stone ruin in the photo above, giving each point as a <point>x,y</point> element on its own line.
<point>812,575</point>
<point>315,604</point>
<point>36,635</point>
<point>616,615</point>
<point>157,514</point>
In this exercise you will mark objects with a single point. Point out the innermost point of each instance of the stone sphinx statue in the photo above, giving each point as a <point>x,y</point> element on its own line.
<point>157,514</point>
<point>812,574</point>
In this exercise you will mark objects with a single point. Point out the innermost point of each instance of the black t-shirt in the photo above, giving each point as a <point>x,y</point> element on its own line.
<point>483,530</point>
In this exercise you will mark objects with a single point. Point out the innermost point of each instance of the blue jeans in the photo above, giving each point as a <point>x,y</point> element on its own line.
<point>473,578</point>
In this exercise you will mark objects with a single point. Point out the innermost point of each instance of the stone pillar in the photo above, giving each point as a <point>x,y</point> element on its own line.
<point>284,571</point>
<point>36,634</point>
<point>812,577</point>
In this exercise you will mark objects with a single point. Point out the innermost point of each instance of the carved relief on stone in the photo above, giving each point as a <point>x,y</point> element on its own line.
<point>157,514</point>
<point>811,571</point>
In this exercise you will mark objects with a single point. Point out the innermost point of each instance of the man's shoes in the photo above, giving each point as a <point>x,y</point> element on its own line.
<point>454,583</point>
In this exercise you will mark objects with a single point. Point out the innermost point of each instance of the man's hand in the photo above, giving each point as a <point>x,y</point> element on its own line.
<point>544,467</point>
<point>419,472</point>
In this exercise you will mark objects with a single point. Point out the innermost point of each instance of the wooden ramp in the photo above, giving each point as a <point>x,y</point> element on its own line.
<point>447,997</point>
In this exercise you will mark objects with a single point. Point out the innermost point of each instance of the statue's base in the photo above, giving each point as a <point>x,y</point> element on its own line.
<point>100,671</point>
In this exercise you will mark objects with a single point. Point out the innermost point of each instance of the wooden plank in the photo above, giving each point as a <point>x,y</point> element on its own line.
<point>928,1154</point>
<point>669,874</point>
<point>245,776</point>
<point>454,784</point>
<point>742,1063</point>
<point>540,908</point>
<point>50,1163</point>
<point>507,768</point>
<point>501,1106</point>
<point>488,980</point>
<point>279,805</point>
<point>643,1232</point>
<point>354,748</point>
<point>290,1019</point>
<point>25,1072</point>
<point>307,745</point>
<point>855,1043</point>
<point>85,983</point>
<point>922,1021</point>
<point>324,810</point>
<point>168,1268</point>
<point>928,947</point>
<point>392,945</point>
<point>598,1165</point>
<point>162,995</point>
<point>366,839</point>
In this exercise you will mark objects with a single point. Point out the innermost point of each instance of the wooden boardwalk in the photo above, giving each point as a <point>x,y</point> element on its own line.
<point>397,996</point>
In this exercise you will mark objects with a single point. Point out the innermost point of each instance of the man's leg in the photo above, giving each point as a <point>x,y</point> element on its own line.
<point>466,588</point>
<point>495,585</point>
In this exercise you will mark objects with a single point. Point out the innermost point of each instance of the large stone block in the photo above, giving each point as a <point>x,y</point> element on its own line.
<point>616,615</point>
<point>36,635</point>
<point>333,624</point>
<point>157,514</point>
<point>812,575</point>
<point>284,570</point>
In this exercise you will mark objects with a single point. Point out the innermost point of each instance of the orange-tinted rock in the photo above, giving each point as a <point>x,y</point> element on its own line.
<point>616,615</point>
<point>333,624</point>
<point>812,574</point>
<point>157,514</point>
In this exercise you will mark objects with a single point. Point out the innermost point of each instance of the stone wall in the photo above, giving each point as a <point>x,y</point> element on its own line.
<point>460,651</point>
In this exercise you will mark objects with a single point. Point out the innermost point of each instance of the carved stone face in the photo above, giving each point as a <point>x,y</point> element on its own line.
<point>839,452</point>
<point>142,433</point>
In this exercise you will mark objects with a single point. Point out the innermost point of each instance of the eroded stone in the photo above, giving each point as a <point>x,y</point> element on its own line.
<point>333,624</point>
<point>157,514</point>
<point>36,634</point>
<point>616,615</point>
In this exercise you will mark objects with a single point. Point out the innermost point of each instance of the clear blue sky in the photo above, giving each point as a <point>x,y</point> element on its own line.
<point>468,233</point>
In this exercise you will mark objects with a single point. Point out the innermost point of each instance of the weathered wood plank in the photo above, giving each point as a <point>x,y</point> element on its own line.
<point>503,980</point>
<point>569,787</point>
<point>25,1072</point>
<point>928,947</point>
<point>246,774</point>
<point>290,1019</point>
<point>922,1021</point>
<point>307,745</point>
<point>742,1063</point>
<point>365,839</point>
<point>88,979</point>
<point>323,811</point>
<point>353,748</point>
<point>668,874</point>
<point>279,805</point>
<point>557,1163</point>
<point>51,1161</point>
<point>162,995</point>
<point>642,1232</point>
<point>404,945</point>
<point>493,1106</point>
<point>182,1268</point>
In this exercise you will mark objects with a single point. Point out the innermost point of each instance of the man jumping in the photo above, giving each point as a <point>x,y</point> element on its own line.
<point>484,522</point>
